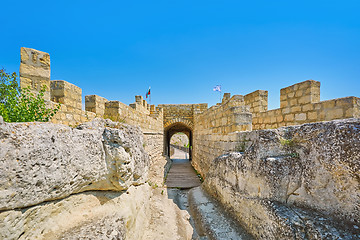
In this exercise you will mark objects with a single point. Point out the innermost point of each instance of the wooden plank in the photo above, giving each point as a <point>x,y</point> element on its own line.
<point>182,175</point>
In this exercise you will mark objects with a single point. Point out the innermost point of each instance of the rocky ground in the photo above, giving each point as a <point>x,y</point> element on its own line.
<point>92,182</point>
<point>89,182</point>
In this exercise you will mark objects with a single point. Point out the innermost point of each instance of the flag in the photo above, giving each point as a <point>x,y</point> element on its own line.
<point>148,93</point>
<point>217,88</point>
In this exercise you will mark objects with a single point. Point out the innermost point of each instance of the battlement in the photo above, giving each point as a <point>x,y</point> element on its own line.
<point>95,104</point>
<point>230,116</point>
<point>300,94</point>
<point>299,103</point>
<point>257,101</point>
<point>35,73</point>
<point>35,70</point>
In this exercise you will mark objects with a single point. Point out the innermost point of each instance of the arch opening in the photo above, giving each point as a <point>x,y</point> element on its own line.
<point>179,141</point>
<point>173,129</point>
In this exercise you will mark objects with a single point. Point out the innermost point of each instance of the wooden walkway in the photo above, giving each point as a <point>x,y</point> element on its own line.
<point>181,174</point>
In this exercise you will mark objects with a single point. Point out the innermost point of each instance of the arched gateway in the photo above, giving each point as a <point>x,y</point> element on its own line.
<point>179,118</point>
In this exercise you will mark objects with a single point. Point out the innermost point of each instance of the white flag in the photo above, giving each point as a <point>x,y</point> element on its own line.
<point>217,88</point>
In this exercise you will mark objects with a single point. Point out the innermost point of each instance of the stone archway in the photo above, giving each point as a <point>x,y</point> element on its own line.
<point>180,118</point>
<point>174,128</point>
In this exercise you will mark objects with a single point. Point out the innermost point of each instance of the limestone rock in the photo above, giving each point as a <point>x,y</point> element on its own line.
<point>90,215</point>
<point>167,220</point>
<point>109,227</point>
<point>312,166</point>
<point>44,161</point>
<point>138,213</point>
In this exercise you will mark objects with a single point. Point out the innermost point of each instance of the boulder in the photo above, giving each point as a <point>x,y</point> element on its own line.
<point>90,215</point>
<point>44,161</point>
<point>141,212</point>
<point>308,172</point>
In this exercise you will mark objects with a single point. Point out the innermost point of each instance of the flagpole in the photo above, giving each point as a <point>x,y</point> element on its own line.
<point>220,96</point>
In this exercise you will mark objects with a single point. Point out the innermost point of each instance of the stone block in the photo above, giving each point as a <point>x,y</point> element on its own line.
<point>312,116</point>
<point>31,69</point>
<point>286,110</point>
<point>330,104</point>
<point>299,93</point>
<point>300,117</point>
<point>293,102</point>
<point>289,117</point>
<point>66,93</point>
<point>350,113</point>
<point>267,120</point>
<point>291,95</point>
<point>318,106</point>
<point>335,114</point>
<point>139,99</point>
<point>305,99</point>
<point>295,109</point>
<point>226,97</point>
<point>95,104</point>
<point>279,118</point>
<point>344,102</point>
<point>308,107</point>
<point>284,104</point>
<point>35,70</point>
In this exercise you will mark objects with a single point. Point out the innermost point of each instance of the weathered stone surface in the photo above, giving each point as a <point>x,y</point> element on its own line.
<point>35,70</point>
<point>91,215</point>
<point>167,221</point>
<point>312,166</point>
<point>139,213</point>
<point>109,227</point>
<point>159,164</point>
<point>44,161</point>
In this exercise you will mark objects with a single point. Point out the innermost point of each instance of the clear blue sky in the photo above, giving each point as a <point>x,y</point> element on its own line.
<point>116,49</point>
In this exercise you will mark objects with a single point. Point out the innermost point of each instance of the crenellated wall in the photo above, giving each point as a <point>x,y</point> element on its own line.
<point>296,166</point>
<point>215,130</point>
<point>35,72</point>
<point>257,101</point>
<point>299,103</point>
<point>135,115</point>
<point>211,132</point>
<point>95,104</point>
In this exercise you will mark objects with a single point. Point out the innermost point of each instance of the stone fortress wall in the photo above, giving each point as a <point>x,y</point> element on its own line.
<point>35,73</point>
<point>179,118</point>
<point>299,103</point>
<point>264,176</point>
<point>214,127</point>
<point>217,129</point>
<point>212,131</point>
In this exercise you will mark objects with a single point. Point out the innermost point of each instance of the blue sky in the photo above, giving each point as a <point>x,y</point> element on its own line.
<point>182,49</point>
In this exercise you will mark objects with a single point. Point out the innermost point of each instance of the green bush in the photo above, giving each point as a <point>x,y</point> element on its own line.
<point>21,105</point>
